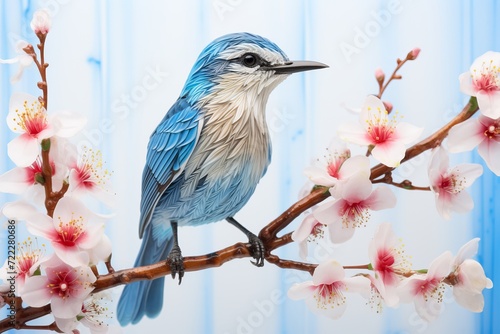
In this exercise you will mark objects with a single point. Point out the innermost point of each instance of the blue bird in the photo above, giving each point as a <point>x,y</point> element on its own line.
<point>206,156</point>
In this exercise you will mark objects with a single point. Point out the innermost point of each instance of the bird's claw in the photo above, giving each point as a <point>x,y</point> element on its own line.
<point>176,262</point>
<point>258,250</point>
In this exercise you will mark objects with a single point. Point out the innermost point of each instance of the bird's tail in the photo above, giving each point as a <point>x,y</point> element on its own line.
<point>146,297</point>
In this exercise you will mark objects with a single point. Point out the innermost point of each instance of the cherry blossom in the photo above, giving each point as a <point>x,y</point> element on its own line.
<point>482,132</point>
<point>389,261</point>
<point>22,58</point>
<point>324,295</point>
<point>448,184</point>
<point>63,286</point>
<point>88,175</point>
<point>94,315</point>
<point>427,290</point>
<point>352,209</point>
<point>309,230</point>
<point>28,259</point>
<point>28,117</point>
<point>328,174</point>
<point>468,278</point>
<point>75,232</point>
<point>41,22</point>
<point>483,82</point>
<point>387,136</point>
<point>338,171</point>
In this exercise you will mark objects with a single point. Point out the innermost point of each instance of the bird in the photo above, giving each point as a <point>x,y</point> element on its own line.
<point>206,157</point>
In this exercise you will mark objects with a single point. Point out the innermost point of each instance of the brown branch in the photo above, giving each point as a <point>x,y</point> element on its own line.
<point>405,184</point>
<point>394,75</point>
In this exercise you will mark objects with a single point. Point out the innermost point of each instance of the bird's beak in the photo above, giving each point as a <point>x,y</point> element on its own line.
<point>295,66</point>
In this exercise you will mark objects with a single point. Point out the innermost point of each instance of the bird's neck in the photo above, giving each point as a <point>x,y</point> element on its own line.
<point>237,99</point>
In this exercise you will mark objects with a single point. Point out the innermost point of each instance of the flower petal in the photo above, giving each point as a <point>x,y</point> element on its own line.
<point>339,233</point>
<point>35,292</point>
<point>101,252</point>
<point>357,188</point>
<point>305,228</point>
<point>354,133</point>
<point>407,133</point>
<point>358,284</point>
<point>23,150</point>
<point>390,153</point>
<point>15,181</point>
<point>489,150</point>
<point>465,136</point>
<point>328,213</point>
<point>319,176</point>
<point>381,198</point>
<point>489,103</point>
<point>441,265</point>
<point>301,290</point>
<point>467,251</point>
<point>328,272</point>
<point>66,308</point>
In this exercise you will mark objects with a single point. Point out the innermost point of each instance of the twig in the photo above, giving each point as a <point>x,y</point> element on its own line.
<point>405,184</point>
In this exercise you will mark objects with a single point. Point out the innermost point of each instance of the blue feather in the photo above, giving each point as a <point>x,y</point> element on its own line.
<point>145,297</point>
<point>200,168</point>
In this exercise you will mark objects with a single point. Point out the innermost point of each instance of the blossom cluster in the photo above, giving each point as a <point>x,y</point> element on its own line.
<point>394,281</point>
<point>355,194</point>
<point>49,168</point>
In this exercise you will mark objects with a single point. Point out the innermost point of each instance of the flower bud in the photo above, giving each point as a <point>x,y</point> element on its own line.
<point>379,75</point>
<point>413,54</point>
<point>41,22</point>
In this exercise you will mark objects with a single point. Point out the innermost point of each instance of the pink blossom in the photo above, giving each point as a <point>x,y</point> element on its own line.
<point>28,259</point>
<point>94,315</point>
<point>310,229</point>
<point>389,261</point>
<point>326,174</point>
<point>448,184</point>
<point>483,132</point>
<point>353,208</point>
<point>41,22</point>
<point>388,137</point>
<point>338,170</point>
<point>63,286</point>
<point>427,290</point>
<point>75,232</point>
<point>28,117</point>
<point>483,82</point>
<point>324,295</point>
<point>88,175</point>
<point>469,279</point>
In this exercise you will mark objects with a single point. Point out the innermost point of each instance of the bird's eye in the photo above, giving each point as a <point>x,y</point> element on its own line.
<point>250,60</point>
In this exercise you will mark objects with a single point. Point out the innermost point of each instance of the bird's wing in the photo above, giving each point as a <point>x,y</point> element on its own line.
<point>169,148</point>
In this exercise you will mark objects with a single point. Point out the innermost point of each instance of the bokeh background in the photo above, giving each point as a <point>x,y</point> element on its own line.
<point>123,63</point>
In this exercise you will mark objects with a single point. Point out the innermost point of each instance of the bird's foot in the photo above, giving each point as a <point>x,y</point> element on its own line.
<point>257,248</point>
<point>176,262</point>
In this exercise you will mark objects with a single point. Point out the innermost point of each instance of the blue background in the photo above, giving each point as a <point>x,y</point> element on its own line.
<point>123,63</point>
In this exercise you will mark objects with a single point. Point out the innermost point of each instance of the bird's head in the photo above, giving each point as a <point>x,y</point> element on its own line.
<point>238,64</point>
